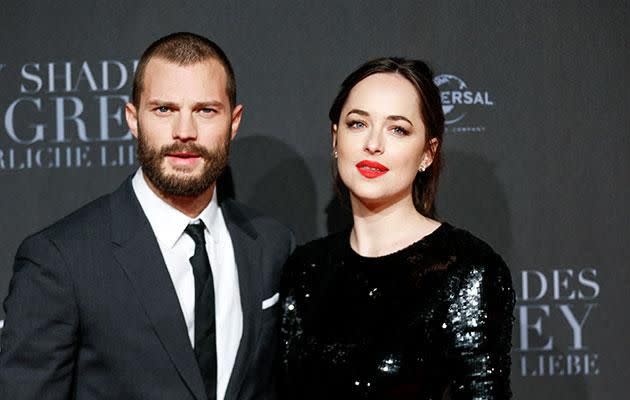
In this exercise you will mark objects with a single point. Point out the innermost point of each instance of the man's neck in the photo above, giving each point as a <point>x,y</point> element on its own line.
<point>191,206</point>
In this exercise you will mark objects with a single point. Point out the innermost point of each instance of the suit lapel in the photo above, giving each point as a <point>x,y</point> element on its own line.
<point>138,253</point>
<point>247,254</point>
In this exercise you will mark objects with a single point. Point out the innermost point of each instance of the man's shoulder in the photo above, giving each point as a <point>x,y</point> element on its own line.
<point>90,221</point>
<point>275,239</point>
<point>239,213</point>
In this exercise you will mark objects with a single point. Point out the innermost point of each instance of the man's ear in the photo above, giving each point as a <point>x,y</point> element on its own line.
<point>131,115</point>
<point>237,113</point>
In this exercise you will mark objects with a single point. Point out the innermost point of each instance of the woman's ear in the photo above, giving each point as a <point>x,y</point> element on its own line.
<point>333,131</point>
<point>428,154</point>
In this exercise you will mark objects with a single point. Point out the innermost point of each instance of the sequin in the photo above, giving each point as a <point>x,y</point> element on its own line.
<point>390,365</point>
<point>430,321</point>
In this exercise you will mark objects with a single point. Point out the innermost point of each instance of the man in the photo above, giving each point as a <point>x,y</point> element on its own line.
<point>155,291</point>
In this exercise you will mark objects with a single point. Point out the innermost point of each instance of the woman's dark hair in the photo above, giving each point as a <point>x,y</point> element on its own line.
<point>420,76</point>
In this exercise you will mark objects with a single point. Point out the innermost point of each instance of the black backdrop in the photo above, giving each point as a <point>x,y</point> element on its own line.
<point>536,153</point>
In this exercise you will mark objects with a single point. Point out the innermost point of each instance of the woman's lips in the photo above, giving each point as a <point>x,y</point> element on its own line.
<point>371,169</point>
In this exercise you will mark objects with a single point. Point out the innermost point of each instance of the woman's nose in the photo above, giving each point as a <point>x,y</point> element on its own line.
<point>374,143</point>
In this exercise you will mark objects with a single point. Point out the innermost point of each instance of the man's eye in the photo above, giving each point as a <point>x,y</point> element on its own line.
<point>163,109</point>
<point>207,110</point>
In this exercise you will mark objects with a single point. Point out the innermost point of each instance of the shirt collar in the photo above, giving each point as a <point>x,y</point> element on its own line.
<point>168,223</point>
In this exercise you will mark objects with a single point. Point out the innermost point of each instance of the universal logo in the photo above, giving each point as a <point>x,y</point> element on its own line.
<point>553,321</point>
<point>66,114</point>
<point>458,100</point>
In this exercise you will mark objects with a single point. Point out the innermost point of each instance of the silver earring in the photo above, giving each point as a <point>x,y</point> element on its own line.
<point>422,168</point>
<point>335,153</point>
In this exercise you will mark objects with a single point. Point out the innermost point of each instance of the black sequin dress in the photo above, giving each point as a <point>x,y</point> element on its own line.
<point>430,321</point>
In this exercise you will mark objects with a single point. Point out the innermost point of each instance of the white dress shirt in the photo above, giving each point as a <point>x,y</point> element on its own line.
<point>177,247</point>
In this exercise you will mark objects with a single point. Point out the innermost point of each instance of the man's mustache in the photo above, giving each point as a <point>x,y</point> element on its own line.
<point>185,148</point>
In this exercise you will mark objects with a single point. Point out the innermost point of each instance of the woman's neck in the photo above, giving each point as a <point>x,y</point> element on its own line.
<point>381,229</point>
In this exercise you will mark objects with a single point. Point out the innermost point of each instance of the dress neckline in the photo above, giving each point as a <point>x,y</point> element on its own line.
<point>413,247</point>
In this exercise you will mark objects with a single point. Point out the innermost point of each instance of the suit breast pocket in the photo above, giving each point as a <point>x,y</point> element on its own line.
<point>271,309</point>
<point>270,334</point>
<point>270,301</point>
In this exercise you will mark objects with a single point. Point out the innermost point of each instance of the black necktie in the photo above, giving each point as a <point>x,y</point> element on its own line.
<point>205,332</point>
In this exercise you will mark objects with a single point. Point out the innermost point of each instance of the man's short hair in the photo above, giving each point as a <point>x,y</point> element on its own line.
<point>183,48</point>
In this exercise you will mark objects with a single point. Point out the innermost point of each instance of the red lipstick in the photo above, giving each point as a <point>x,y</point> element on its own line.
<point>371,169</point>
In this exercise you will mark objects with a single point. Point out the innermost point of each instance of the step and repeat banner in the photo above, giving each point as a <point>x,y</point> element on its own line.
<point>536,147</point>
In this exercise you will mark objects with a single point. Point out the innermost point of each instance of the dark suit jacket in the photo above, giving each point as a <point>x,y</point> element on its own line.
<point>92,312</point>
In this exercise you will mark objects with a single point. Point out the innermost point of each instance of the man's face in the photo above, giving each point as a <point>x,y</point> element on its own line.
<point>184,124</point>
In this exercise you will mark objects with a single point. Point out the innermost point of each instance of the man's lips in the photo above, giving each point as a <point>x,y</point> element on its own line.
<point>371,169</point>
<point>183,154</point>
<point>183,158</point>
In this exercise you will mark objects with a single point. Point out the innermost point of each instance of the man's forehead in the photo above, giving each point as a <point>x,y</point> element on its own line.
<point>211,63</point>
<point>170,81</point>
<point>164,76</point>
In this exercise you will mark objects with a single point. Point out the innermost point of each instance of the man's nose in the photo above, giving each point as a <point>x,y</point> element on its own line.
<point>185,128</point>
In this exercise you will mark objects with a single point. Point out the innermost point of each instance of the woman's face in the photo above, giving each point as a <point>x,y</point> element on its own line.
<point>380,140</point>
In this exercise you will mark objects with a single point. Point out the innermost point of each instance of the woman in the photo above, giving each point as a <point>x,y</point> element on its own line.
<point>400,306</point>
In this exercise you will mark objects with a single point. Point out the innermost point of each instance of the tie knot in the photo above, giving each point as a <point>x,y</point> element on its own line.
<point>195,231</point>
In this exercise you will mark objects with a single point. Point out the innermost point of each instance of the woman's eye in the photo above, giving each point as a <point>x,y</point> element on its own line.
<point>399,130</point>
<point>356,125</point>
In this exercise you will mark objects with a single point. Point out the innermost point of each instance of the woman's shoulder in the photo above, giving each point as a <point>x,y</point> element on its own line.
<point>312,261</point>
<point>467,249</point>
<point>468,263</point>
<point>321,249</point>
<point>476,267</point>
<point>321,252</point>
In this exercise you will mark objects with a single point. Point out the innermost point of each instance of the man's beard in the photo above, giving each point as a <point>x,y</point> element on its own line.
<point>171,184</point>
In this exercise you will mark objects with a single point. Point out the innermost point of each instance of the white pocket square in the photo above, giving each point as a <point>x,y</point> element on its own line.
<point>270,301</point>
